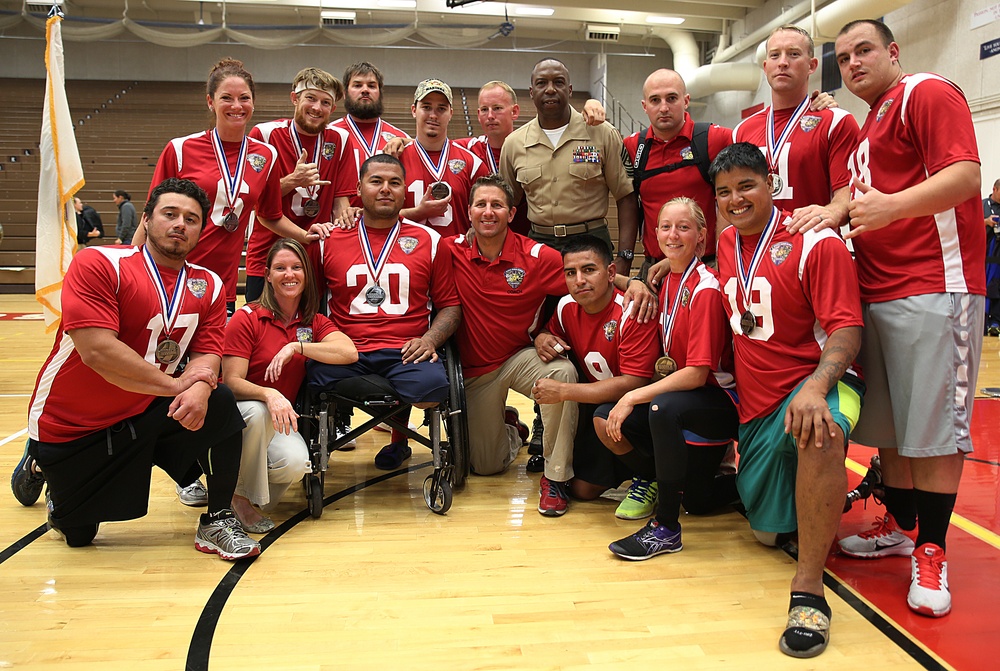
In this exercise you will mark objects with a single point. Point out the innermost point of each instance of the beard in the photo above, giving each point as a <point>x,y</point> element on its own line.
<point>366,110</point>
<point>309,124</point>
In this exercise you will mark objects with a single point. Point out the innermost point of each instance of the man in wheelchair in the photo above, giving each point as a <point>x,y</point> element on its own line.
<point>391,289</point>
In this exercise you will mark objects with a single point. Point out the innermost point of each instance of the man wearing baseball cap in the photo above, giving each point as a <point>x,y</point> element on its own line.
<point>439,174</point>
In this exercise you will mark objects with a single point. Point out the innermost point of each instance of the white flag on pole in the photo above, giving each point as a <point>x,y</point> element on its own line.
<point>60,178</point>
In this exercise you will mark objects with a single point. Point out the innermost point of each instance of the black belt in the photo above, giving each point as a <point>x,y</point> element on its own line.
<point>562,230</point>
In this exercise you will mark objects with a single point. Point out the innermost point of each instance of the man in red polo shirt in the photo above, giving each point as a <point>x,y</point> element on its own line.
<point>503,280</point>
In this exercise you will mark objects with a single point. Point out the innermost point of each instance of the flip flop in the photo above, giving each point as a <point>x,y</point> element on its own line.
<point>392,456</point>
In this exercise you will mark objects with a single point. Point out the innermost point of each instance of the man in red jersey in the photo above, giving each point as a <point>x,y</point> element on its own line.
<point>439,173</point>
<point>363,102</point>
<point>671,161</point>
<point>806,150</point>
<point>614,355</point>
<point>918,232</point>
<point>384,278</point>
<point>503,279</point>
<point>313,159</point>
<point>130,316</point>
<point>793,305</point>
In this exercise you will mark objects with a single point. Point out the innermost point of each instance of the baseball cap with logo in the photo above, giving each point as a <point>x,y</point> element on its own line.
<point>432,86</point>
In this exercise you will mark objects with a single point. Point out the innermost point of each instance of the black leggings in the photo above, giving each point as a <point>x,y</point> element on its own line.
<point>686,470</point>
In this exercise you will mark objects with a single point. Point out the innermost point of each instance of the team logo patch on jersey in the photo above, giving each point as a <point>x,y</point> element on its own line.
<point>685,297</point>
<point>197,287</point>
<point>807,123</point>
<point>687,154</point>
<point>514,277</point>
<point>257,162</point>
<point>329,149</point>
<point>386,135</point>
<point>456,165</point>
<point>586,153</point>
<point>304,334</point>
<point>780,252</point>
<point>610,328</point>
<point>407,244</point>
<point>884,108</point>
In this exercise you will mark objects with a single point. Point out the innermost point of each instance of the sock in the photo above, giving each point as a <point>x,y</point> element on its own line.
<point>902,504</point>
<point>802,639</point>
<point>397,436</point>
<point>934,513</point>
<point>641,465</point>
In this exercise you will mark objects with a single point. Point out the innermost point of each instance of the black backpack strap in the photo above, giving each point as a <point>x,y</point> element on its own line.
<point>699,151</point>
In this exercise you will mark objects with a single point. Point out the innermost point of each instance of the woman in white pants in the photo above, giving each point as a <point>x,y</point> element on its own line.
<point>267,345</point>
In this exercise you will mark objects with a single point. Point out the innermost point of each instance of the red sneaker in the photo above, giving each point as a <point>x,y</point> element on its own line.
<point>553,499</point>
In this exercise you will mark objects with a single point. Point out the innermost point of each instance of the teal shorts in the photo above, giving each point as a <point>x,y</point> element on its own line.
<point>768,460</point>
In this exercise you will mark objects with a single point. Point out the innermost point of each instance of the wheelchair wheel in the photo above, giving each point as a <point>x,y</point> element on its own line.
<point>437,494</point>
<point>458,423</point>
<point>315,495</point>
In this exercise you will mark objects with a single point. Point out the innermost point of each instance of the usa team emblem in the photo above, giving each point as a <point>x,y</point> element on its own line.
<point>257,162</point>
<point>514,277</point>
<point>685,297</point>
<point>304,334</point>
<point>407,244</point>
<point>456,165</point>
<point>807,123</point>
<point>780,252</point>
<point>197,287</point>
<point>386,135</point>
<point>687,154</point>
<point>329,149</point>
<point>884,108</point>
<point>609,329</point>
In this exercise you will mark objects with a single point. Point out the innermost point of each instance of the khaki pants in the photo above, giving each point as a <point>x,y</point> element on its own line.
<point>493,444</point>
<point>271,461</point>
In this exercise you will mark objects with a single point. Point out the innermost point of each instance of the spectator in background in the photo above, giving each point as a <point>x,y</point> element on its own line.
<point>88,223</point>
<point>991,218</point>
<point>127,219</point>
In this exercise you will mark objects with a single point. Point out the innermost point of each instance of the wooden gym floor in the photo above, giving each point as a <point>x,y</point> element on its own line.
<point>380,582</point>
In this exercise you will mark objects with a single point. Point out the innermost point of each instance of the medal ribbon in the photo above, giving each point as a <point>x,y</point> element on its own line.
<point>667,322</point>
<point>774,148</point>
<point>375,265</point>
<point>168,309</point>
<point>312,190</point>
<point>745,277</point>
<point>356,132</point>
<point>491,159</point>
<point>233,181</point>
<point>436,170</point>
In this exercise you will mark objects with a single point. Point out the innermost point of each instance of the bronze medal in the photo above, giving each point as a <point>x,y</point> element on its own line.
<point>375,296</point>
<point>748,322</point>
<point>310,207</point>
<point>168,351</point>
<point>231,222</point>
<point>440,190</point>
<point>664,367</point>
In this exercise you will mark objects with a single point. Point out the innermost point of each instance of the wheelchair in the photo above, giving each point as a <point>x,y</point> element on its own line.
<point>375,396</point>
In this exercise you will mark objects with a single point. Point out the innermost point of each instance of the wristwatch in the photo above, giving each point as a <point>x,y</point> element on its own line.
<point>626,254</point>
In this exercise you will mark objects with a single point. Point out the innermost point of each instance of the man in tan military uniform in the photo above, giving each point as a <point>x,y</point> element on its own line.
<point>565,169</point>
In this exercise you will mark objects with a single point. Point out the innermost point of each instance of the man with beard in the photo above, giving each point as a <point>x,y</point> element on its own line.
<point>318,179</point>
<point>368,133</point>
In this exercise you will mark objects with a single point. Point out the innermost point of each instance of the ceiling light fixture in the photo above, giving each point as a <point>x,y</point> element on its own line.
<point>534,11</point>
<point>666,20</point>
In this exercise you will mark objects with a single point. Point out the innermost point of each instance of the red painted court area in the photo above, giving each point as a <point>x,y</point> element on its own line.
<point>967,639</point>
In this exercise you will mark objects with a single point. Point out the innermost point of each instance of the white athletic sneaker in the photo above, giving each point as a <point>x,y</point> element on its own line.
<point>929,594</point>
<point>884,539</point>
<point>194,495</point>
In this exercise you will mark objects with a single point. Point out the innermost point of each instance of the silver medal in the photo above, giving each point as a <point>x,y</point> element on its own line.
<point>375,296</point>
<point>440,190</point>
<point>231,222</point>
<point>776,184</point>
